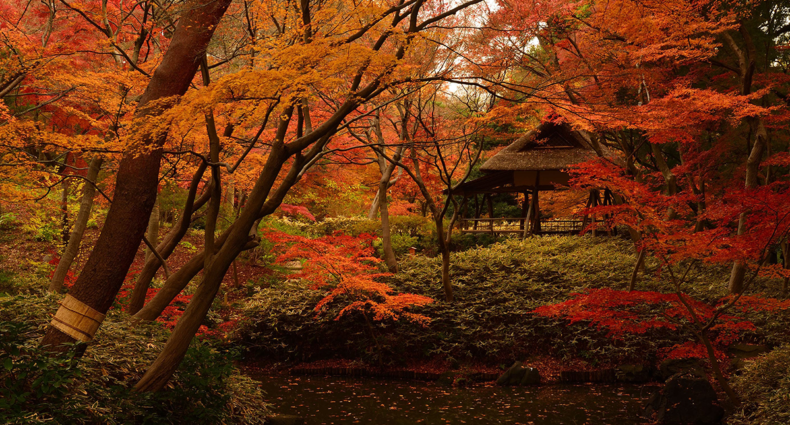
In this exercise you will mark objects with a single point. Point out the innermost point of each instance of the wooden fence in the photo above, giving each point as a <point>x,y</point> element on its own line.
<point>505,225</point>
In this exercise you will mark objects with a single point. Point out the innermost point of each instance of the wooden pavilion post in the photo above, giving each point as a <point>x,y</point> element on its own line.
<point>595,197</point>
<point>491,212</point>
<point>477,213</point>
<point>607,200</point>
<point>586,215</point>
<point>527,216</point>
<point>536,205</point>
<point>524,210</point>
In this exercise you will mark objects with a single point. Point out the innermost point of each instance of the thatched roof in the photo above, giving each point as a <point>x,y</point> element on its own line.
<point>502,182</point>
<point>549,147</point>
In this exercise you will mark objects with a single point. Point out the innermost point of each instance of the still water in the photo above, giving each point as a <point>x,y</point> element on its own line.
<point>340,401</point>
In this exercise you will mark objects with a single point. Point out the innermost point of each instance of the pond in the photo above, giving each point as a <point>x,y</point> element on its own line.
<point>340,400</point>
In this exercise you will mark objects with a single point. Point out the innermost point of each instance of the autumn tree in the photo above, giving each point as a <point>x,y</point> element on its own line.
<point>443,145</point>
<point>377,45</point>
<point>683,91</point>
<point>136,181</point>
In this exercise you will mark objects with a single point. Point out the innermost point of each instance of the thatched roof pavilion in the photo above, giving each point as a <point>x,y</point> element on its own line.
<point>535,162</point>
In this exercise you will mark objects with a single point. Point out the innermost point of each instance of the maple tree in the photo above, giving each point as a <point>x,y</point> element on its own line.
<point>443,145</point>
<point>347,266</point>
<point>637,312</point>
<point>690,120</point>
<point>367,80</point>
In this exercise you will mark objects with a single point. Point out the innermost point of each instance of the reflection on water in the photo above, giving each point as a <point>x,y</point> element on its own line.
<point>337,400</point>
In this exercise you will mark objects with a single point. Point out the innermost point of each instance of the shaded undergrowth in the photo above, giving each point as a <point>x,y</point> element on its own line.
<point>496,289</point>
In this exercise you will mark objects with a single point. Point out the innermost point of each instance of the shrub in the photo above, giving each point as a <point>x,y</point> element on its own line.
<point>764,386</point>
<point>496,288</point>
<point>400,244</point>
<point>263,253</point>
<point>97,389</point>
<point>6,281</point>
<point>464,241</point>
<point>413,225</point>
<point>353,226</point>
<point>7,221</point>
<point>35,385</point>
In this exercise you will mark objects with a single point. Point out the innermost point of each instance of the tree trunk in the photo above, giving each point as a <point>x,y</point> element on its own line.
<point>386,232</point>
<point>171,288</point>
<point>261,202</point>
<point>64,211</point>
<point>180,279</point>
<point>167,362</point>
<point>374,206</point>
<point>230,197</point>
<point>445,250</point>
<point>80,224</point>
<point>669,177</point>
<point>714,363</point>
<point>136,181</point>
<point>639,262</point>
<point>752,172</point>
<point>153,230</point>
<point>785,265</point>
<point>169,242</point>
<point>160,372</point>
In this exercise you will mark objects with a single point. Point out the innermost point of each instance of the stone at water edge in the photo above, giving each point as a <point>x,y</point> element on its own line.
<point>633,373</point>
<point>513,375</point>
<point>747,351</point>
<point>285,420</point>
<point>531,377</point>
<point>685,399</point>
<point>671,367</point>
<point>293,266</point>
<point>454,364</point>
<point>446,379</point>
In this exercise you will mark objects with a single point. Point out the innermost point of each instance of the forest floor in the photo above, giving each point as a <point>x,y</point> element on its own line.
<point>272,318</point>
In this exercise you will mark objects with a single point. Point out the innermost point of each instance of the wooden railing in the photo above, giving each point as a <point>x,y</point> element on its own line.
<point>505,225</point>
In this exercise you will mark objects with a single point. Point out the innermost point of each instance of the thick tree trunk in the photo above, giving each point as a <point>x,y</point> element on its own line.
<point>167,362</point>
<point>136,182</point>
<point>80,224</point>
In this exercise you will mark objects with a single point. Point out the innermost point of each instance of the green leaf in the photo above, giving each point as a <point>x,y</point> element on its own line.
<point>7,363</point>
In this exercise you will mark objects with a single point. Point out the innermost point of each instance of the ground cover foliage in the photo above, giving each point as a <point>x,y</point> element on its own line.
<point>765,383</point>
<point>498,288</point>
<point>36,387</point>
<point>407,231</point>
